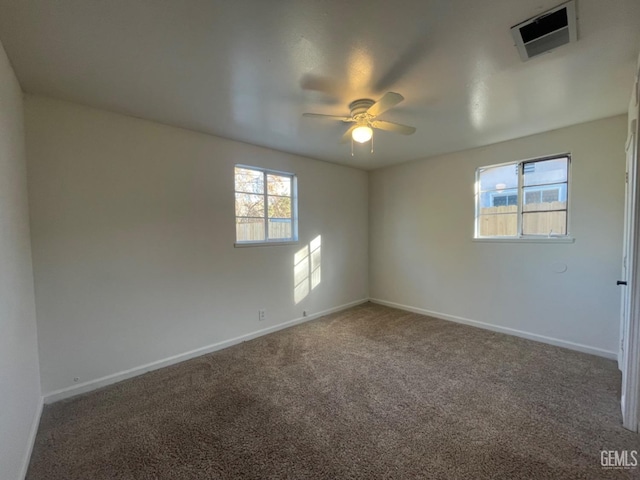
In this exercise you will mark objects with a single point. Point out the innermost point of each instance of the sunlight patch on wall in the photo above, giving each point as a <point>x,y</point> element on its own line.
<point>307,269</point>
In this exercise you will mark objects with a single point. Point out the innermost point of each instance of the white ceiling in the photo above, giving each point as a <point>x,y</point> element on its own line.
<point>248,69</point>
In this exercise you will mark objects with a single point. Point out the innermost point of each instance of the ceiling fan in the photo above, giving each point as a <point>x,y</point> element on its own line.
<point>363,116</point>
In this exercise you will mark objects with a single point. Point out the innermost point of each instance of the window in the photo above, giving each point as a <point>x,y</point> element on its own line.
<point>266,206</point>
<point>523,199</point>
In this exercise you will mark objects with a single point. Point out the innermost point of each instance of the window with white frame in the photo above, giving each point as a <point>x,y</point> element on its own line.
<point>266,206</point>
<point>523,199</point>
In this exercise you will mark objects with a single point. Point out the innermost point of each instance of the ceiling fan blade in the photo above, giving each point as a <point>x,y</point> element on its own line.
<point>347,135</point>
<point>393,127</point>
<point>335,117</point>
<point>388,100</point>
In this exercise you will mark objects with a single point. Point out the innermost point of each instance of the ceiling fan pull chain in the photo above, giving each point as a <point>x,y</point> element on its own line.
<point>352,147</point>
<point>372,135</point>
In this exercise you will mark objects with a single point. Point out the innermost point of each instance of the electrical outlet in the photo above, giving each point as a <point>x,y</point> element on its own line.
<point>304,313</point>
<point>262,315</point>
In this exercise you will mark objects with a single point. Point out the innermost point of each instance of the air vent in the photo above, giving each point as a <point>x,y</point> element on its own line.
<point>546,32</point>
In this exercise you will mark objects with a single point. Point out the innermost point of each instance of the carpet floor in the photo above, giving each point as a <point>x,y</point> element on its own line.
<point>367,393</point>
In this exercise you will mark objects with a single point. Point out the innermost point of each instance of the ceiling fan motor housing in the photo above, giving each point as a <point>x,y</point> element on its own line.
<point>359,108</point>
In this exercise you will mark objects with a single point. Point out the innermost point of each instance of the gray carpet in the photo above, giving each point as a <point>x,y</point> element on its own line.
<point>368,393</point>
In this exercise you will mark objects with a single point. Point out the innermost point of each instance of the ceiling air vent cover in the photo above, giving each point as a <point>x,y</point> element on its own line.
<point>545,32</point>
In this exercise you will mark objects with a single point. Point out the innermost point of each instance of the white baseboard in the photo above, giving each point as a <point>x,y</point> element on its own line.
<point>90,385</point>
<point>497,328</point>
<point>32,439</point>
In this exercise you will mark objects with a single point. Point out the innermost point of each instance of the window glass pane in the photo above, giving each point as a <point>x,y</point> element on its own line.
<point>249,205</point>
<point>544,223</point>
<point>280,207</point>
<point>249,229</point>
<point>499,198</point>
<point>279,228</point>
<point>546,171</point>
<point>539,203</point>
<point>499,178</point>
<point>498,224</point>
<point>544,206</point>
<point>278,185</point>
<point>250,181</point>
<point>264,205</point>
<point>532,197</point>
<point>548,197</point>
<point>504,199</point>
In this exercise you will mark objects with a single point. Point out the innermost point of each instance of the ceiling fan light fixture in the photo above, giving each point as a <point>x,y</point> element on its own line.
<point>364,113</point>
<point>362,134</point>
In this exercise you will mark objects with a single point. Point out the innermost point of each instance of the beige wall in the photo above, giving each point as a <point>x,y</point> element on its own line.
<point>133,233</point>
<point>422,255</point>
<point>20,398</point>
<point>132,226</point>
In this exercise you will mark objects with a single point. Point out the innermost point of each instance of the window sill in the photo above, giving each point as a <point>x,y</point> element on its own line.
<point>525,240</point>
<point>265,244</point>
